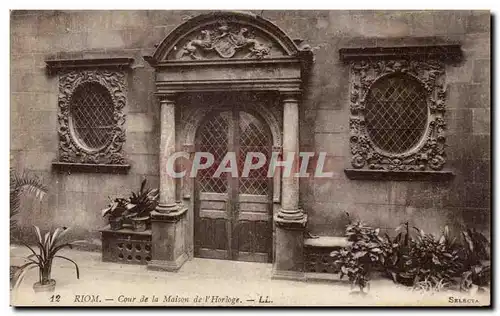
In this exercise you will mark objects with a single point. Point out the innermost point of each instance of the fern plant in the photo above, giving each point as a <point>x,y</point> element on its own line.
<point>21,184</point>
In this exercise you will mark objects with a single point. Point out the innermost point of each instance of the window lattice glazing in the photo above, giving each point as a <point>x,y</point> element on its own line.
<point>253,138</point>
<point>92,115</point>
<point>396,113</point>
<point>213,138</point>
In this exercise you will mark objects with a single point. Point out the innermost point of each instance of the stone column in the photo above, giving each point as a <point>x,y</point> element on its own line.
<point>167,201</point>
<point>168,221</point>
<point>290,219</point>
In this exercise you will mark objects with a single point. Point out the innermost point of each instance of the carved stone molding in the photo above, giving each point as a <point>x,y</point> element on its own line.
<point>70,149</point>
<point>429,153</point>
<point>449,53</point>
<point>55,65</point>
<point>223,40</point>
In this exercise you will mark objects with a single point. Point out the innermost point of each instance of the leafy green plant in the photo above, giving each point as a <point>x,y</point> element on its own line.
<point>144,201</point>
<point>414,258</point>
<point>477,266</point>
<point>367,252</point>
<point>432,259</point>
<point>21,184</point>
<point>117,208</point>
<point>48,247</point>
<point>400,248</point>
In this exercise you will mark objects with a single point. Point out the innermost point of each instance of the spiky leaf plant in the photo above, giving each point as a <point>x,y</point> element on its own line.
<point>48,245</point>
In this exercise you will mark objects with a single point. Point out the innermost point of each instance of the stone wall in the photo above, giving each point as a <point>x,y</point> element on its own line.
<point>76,199</point>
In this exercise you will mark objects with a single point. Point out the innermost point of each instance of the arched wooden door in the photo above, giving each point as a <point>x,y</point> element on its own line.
<point>233,216</point>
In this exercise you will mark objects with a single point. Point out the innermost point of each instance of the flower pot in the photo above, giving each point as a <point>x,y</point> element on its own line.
<point>49,287</point>
<point>115,223</point>
<point>139,224</point>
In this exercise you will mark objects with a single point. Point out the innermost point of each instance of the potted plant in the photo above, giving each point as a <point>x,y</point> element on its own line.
<point>48,246</point>
<point>116,212</point>
<point>365,254</point>
<point>141,204</point>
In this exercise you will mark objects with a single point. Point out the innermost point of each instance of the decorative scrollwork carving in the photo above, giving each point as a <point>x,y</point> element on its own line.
<point>429,152</point>
<point>70,149</point>
<point>226,41</point>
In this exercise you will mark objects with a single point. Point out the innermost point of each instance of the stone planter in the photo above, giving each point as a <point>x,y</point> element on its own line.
<point>116,223</point>
<point>140,224</point>
<point>50,287</point>
<point>126,246</point>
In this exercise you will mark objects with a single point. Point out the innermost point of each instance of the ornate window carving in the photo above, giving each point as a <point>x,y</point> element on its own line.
<point>91,119</point>
<point>397,106</point>
<point>88,131</point>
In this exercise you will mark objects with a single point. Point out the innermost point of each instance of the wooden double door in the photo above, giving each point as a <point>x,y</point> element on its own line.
<point>233,214</point>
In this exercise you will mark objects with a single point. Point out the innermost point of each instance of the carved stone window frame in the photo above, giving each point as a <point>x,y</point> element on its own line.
<point>110,73</point>
<point>426,64</point>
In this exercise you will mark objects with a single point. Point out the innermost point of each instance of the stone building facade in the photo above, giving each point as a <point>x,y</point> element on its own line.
<point>309,81</point>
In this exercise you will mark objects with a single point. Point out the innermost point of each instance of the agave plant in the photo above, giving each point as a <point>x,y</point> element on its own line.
<point>19,185</point>
<point>144,201</point>
<point>48,247</point>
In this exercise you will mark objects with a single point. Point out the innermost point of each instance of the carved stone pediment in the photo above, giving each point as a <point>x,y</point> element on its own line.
<point>223,40</point>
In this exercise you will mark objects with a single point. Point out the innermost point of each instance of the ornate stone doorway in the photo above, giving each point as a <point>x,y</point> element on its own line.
<point>233,215</point>
<point>228,53</point>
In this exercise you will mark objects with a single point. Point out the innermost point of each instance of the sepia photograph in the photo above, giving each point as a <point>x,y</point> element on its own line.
<point>250,158</point>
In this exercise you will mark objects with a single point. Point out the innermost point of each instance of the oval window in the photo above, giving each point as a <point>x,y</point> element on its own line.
<point>92,112</point>
<point>396,113</point>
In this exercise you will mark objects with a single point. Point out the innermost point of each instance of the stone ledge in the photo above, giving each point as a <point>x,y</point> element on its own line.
<point>446,52</point>
<point>124,231</point>
<point>367,174</point>
<point>88,167</point>
<point>326,242</point>
<point>112,62</point>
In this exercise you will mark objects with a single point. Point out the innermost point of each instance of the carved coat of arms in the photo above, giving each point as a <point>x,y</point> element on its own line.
<point>225,43</point>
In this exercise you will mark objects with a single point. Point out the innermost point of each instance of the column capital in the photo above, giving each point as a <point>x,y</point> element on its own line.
<point>290,96</point>
<point>168,97</point>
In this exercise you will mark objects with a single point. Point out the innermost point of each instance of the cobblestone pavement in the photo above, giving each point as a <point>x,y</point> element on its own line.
<point>205,282</point>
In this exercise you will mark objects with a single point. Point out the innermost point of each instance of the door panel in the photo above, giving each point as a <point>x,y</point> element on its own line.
<point>254,219</point>
<point>212,214</point>
<point>233,216</point>
<point>212,226</point>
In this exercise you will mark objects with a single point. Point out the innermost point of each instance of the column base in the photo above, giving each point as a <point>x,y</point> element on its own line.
<point>165,209</point>
<point>291,215</point>
<point>168,234</point>
<point>296,220</point>
<point>289,259</point>
<point>170,266</point>
<point>173,215</point>
<point>288,275</point>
